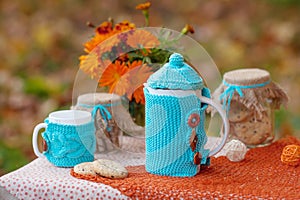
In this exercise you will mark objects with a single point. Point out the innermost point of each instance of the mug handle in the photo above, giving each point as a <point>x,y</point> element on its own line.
<point>222,113</point>
<point>35,138</point>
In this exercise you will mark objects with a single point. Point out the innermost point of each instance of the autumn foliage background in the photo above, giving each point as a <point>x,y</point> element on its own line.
<point>40,42</point>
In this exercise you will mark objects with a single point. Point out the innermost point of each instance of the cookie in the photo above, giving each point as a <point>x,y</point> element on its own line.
<point>238,112</point>
<point>85,168</point>
<point>109,169</point>
<point>253,131</point>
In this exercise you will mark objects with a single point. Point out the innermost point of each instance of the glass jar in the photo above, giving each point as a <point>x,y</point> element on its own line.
<point>250,98</point>
<point>108,134</point>
<point>112,120</point>
<point>250,127</point>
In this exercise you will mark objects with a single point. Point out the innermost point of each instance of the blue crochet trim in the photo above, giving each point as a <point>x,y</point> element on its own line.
<point>168,150</point>
<point>69,145</point>
<point>227,95</point>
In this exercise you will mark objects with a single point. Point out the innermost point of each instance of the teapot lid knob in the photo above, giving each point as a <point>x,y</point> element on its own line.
<point>175,75</point>
<point>176,60</point>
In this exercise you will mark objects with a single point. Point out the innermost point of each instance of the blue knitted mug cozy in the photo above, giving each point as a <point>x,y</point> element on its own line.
<point>69,145</point>
<point>175,135</point>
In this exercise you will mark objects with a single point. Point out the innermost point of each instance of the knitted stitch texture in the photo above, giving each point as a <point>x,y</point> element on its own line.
<point>176,75</point>
<point>168,134</point>
<point>69,145</point>
<point>175,135</point>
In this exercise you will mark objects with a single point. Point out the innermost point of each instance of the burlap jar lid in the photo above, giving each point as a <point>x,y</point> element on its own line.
<point>251,87</point>
<point>98,98</point>
<point>112,101</point>
<point>247,76</point>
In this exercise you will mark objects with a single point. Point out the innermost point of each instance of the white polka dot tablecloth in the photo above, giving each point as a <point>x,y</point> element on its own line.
<point>42,180</point>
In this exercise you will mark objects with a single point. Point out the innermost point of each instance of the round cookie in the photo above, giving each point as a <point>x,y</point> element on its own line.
<point>85,168</point>
<point>238,112</point>
<point>253,131</point>
<point>109,169</point>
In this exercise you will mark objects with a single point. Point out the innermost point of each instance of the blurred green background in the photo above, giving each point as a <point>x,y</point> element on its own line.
<point>40,42</point>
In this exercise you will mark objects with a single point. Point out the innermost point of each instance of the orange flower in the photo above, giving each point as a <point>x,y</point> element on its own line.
<point>104,28</point>
<point>102,32</point>
<point>123,58</point>
<point>187,29</point>
<point>123,26</point>
<point>104,39</point>
<point>112,75</point>
<point>142,39</point>
<point>139,96</point>
<point>90,65</point>
<point>143,6</point>
<point>107,44</point>
<point>117,53</point>
<point>121,87</point>
<point>105,31</point>
<point>137,75</point>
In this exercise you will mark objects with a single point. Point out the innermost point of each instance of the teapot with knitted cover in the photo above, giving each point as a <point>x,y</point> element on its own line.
<point>176,100</point>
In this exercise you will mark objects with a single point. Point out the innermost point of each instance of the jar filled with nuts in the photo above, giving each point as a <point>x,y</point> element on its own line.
<point>250,98</point>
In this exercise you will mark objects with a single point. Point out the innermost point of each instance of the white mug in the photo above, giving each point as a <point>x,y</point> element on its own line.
<point>70,117</point>
<point>69,138</point>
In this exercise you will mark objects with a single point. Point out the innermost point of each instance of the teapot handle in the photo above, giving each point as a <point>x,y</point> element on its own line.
<point>222,113</point>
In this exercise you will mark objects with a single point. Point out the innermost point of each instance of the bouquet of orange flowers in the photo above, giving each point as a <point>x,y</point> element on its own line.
<point>122,57</point>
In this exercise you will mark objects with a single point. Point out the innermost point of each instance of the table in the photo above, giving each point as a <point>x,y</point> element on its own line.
<point>41,180</point>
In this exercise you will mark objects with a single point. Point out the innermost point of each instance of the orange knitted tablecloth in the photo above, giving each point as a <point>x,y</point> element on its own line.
<point>260,175</point>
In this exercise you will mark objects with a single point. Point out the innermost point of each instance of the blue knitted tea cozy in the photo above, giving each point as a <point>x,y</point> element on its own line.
<point>174,124</point>
<point>176,75</point>
<point>69,145</point>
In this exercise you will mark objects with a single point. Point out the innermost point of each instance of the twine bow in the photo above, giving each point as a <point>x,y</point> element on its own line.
<point>228,93</point>
<point>104,112</point>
